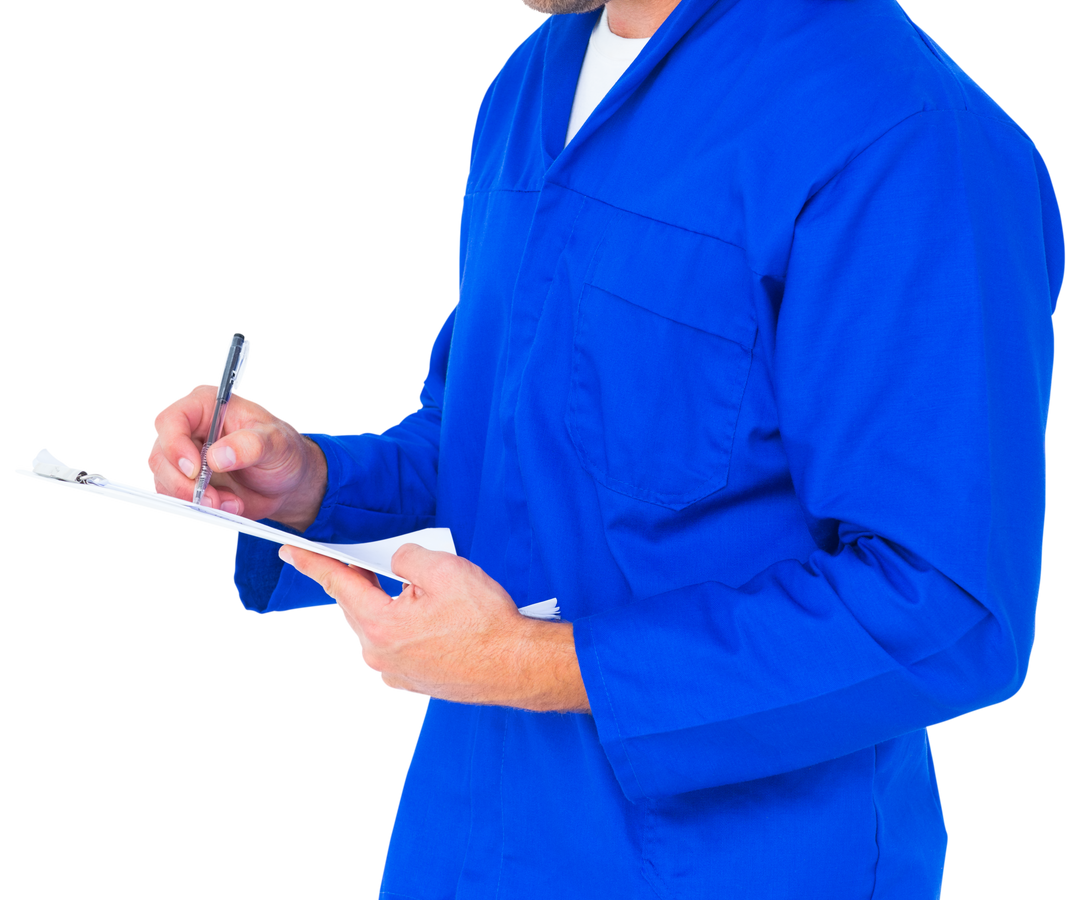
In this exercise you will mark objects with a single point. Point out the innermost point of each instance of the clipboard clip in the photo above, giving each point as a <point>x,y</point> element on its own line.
<point>48,465</point>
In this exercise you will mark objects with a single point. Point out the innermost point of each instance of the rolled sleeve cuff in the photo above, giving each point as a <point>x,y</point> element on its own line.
<point>603,710</point>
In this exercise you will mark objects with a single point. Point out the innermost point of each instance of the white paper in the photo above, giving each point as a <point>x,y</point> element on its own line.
<point>374,556</point>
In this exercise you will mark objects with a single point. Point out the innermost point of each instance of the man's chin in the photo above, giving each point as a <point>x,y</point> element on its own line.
<point>559,7</point>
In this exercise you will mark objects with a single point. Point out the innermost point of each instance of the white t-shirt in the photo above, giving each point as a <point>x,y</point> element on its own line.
<point>606,59</point>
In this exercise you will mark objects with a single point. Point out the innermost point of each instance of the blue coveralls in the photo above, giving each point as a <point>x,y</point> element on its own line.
<point>753,378</point>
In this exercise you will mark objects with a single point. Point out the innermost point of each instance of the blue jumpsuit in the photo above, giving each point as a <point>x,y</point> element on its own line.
<point>753,377</point>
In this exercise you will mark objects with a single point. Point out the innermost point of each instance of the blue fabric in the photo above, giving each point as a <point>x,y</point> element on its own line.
<point>753,377</point>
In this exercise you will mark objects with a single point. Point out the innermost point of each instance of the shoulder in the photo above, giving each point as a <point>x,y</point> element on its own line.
<point>853,69</point>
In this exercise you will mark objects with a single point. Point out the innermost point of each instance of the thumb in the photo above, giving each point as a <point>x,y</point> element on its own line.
<point>243,449</point>
<point>410,561</point>
<point>222,457</point>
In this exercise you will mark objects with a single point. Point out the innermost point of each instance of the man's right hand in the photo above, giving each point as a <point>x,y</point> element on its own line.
<point>263,468</point>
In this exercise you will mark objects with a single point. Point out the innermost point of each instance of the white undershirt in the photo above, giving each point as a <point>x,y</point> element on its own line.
<point>606,59</point>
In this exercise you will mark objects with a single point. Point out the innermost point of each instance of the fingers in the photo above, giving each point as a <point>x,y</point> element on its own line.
<point>356,590</point>
<point>370,577</point>
<point>177,453</point>
<point>251,437</point>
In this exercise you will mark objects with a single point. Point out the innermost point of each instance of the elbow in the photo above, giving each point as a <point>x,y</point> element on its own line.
<point>986,666</point>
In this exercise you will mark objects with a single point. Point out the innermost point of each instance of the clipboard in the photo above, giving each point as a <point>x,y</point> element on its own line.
<point>375,556</point>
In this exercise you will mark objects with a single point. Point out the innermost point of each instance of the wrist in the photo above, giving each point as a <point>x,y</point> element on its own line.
<point>301,506</point>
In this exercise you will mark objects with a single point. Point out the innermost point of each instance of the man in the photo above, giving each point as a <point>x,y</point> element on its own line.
<point>750,370</point>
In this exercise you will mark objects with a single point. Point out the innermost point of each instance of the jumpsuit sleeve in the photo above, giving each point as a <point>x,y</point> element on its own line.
<point>911,367</point>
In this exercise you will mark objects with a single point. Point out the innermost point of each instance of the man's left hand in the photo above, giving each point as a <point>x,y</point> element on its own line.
<point>453,633</point>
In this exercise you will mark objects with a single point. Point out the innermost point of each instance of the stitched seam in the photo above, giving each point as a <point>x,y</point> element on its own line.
<point>502,809</point>
<point>615,719</point>
<point>877,824</point>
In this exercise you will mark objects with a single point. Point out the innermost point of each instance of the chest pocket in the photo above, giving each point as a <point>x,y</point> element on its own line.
<point>663,339</point>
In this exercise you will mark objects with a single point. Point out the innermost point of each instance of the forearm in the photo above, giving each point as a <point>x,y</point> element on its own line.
<point>544,675</point>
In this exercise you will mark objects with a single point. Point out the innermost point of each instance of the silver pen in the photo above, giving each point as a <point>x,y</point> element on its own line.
<point>235,359</point>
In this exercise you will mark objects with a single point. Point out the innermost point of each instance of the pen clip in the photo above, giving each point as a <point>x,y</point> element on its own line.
<point>234,363</point>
